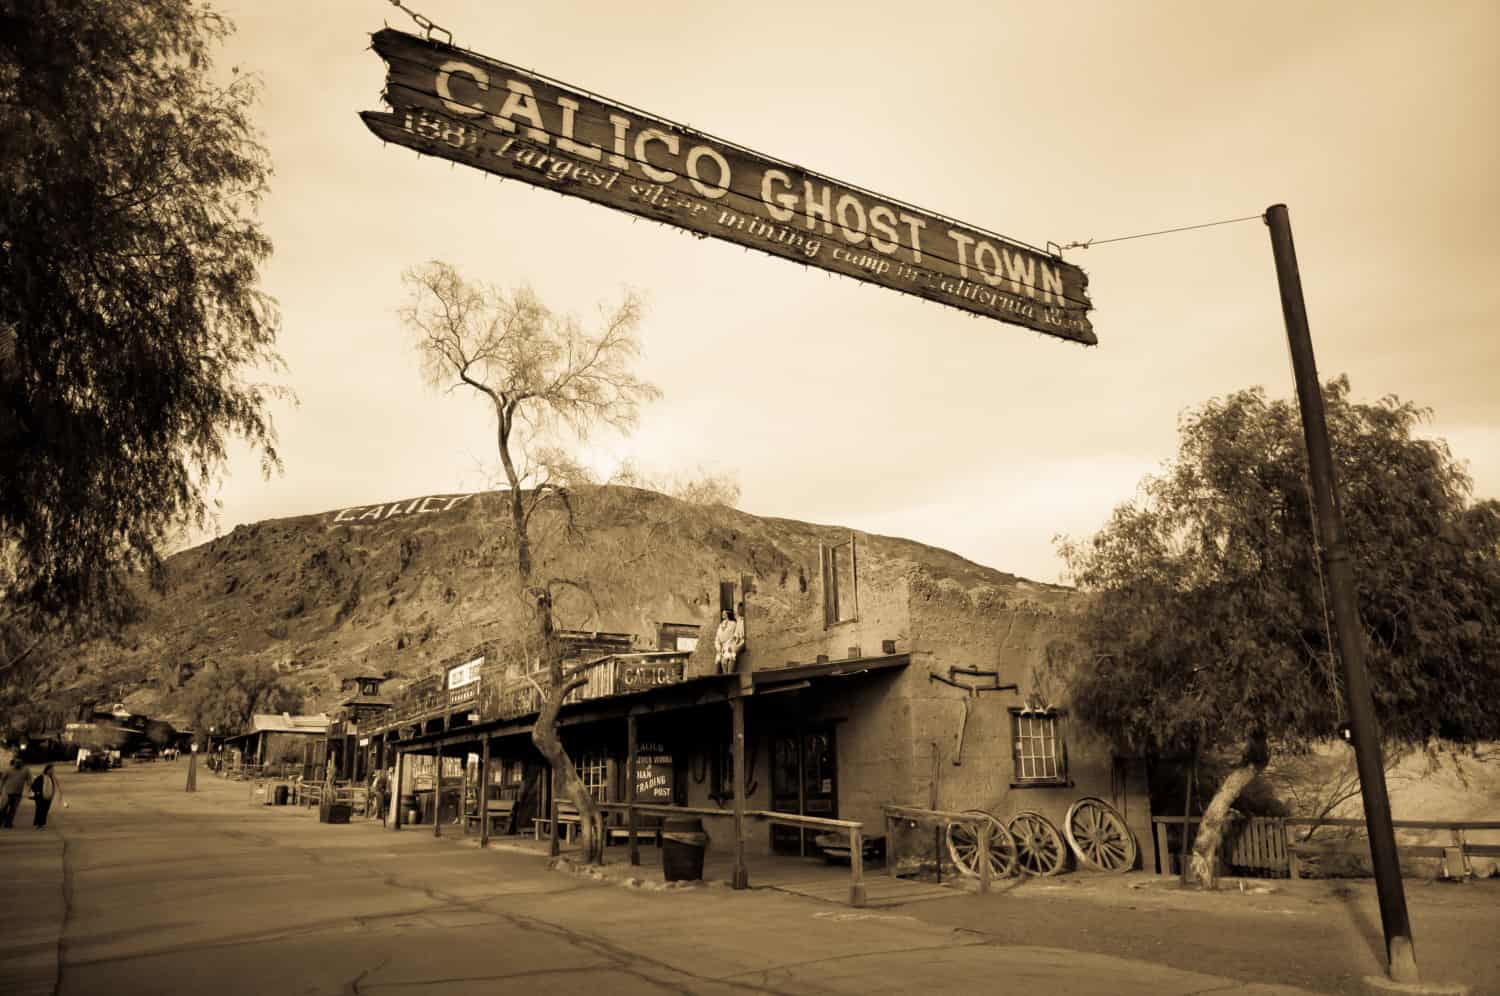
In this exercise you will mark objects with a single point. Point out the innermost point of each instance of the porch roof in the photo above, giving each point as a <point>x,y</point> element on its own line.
<point>693,692</point>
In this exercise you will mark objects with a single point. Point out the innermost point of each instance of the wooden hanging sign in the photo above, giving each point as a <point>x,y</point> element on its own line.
<point>471,109</point>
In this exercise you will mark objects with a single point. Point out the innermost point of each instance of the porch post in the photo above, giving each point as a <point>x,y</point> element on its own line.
<point>437,792</point>
<point>396,789</point>
<point>463,793</point>
<point>484,791</point>
<point>630,778</point>
<point>983,856</point>
<point>856,867</point>
<point>741,875</point>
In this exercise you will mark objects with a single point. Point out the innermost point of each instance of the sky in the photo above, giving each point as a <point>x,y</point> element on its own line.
<point>835,401</point>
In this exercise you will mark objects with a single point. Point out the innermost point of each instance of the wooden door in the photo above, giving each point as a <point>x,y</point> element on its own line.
<point>804,780</point>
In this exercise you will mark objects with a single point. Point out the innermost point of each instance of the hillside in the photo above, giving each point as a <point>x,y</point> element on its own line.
<point>398,586</point>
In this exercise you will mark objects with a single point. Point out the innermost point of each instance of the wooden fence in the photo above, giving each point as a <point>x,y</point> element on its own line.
<point>852,828</point>
<point>1263,844</point>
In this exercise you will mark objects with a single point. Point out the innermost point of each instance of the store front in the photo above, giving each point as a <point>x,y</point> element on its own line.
<point>804,781</point>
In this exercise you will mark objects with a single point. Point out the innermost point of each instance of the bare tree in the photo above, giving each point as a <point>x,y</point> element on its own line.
<point>544,378</point>
<point>1317,784</point>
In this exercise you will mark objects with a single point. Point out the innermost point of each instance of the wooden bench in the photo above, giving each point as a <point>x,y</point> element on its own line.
<point>500,812</point>
<point>646,828</point>
<point>567,822</point>
<point>835,846</point>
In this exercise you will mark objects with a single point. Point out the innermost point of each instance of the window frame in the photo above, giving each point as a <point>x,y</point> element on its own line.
<point>833,597</point>
<point>1059,720</point>
<point>593,769</point>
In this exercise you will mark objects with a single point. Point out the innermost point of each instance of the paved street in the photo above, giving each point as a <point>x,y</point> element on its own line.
<point>145,889</point>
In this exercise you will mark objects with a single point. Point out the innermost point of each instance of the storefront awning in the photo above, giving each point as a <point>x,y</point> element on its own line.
<point>692,693</point>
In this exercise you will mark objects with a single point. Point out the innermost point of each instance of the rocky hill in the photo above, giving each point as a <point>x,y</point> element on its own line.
<point>396,587</point>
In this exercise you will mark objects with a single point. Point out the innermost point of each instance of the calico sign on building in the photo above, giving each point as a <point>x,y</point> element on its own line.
<point>449,102</point>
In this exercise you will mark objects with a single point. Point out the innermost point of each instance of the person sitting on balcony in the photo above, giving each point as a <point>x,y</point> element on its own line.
<point>738,642</point>
<point>728,640</point>
<point>723,639</point>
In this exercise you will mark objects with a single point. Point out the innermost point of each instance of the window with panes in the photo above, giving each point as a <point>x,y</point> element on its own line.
<point>1039,750</point>
<point>593,768</point>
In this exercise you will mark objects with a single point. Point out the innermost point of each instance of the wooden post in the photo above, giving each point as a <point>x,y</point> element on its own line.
<point>890,845</point>
<point>1343,598</point>
<point>983,857</point>
<point>396,789</point>
<point>437,792</point>
<point>553,847</point>
<point>741,874</point>
<point>630,780</point>
<point>463,794</point>
<point>484,791</point>
<point>856,867</point>
<point>1163,849</point>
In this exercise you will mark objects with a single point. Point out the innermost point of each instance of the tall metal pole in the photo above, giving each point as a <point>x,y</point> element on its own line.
<point>1402,963</point>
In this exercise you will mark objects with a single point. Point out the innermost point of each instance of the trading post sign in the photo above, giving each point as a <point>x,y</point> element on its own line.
<point>449,102</point>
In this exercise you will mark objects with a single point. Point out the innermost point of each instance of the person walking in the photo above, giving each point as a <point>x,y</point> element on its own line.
<point>17,778</point>
<point>44,792</point>
<point>377,793</point>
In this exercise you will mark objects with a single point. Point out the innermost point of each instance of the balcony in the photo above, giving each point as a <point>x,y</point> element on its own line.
<point>497,694</point>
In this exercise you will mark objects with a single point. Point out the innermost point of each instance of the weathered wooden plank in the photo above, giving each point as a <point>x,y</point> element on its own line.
<point>481,112</point>
<point>630,779</point>
<point>1304,821</point>
<point>737,711</point>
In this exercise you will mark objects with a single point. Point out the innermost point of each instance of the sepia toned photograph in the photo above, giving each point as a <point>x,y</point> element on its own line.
<point>806,498</point>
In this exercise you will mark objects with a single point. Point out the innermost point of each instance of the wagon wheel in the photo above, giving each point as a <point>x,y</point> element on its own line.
<point>963,847</point>
<point>1039,847</point>
<point>1099,836</point>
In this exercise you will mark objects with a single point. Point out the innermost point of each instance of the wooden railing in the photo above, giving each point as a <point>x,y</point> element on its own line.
<point>499,694</point>
<point>1263,843</point>
<point>854,829</point>
<point>936,817</point>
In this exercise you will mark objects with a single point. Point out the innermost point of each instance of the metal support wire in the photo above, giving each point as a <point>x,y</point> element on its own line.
<point>423,22</point>
<point>1143,235</point>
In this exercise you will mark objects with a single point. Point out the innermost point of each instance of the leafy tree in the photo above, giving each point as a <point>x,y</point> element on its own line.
<point>129,308</point>
<point>225,697</point>
<point>542,377</point>
<point>1208,626</point>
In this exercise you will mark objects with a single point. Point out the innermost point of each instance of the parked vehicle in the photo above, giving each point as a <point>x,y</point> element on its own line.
<point>92,760</point>
<point>144,754</point>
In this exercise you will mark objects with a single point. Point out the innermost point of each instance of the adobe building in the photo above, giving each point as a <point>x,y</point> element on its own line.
<point>274,736</point>
<point>364,710</point>
<point>877,683</point>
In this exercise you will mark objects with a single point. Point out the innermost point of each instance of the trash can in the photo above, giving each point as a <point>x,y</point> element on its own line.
<point>409,814</point>
<point>283,793</point>
<point>683,845</point>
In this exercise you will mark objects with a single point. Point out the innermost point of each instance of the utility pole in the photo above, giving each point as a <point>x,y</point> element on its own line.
<point>1402,962</point>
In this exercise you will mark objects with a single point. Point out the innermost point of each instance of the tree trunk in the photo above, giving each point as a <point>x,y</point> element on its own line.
<point>1211,830</point>
<point>544,734</point>
<point>549,742</point>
